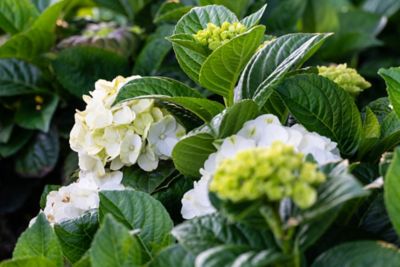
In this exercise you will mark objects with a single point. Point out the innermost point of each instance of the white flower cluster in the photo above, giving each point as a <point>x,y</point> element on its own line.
<point>73,200</point>
<point>260,132</point>
<point>133,132</point>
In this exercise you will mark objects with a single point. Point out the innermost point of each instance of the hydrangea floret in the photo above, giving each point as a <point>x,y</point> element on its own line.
<point>272,173</point>
<point>261,132</point>
<point>214,36</point>
<point>347,78</point>
<point>132,132</point>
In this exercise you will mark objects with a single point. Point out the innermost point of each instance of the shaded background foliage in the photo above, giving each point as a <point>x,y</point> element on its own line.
<point>41,84</point>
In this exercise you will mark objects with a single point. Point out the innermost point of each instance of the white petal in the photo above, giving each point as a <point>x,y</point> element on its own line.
<point>123,115</point>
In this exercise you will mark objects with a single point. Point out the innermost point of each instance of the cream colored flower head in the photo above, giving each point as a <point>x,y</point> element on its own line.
<point>124,134</point>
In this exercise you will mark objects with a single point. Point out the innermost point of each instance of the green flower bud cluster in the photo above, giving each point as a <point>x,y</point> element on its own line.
<point>345,77</point>
<point>214,36</point>
<point>273,173</point>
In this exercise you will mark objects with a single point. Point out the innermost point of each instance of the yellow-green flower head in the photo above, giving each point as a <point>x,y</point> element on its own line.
<point>270,173</point>
<point>214,36</point>
<point>345,77</point>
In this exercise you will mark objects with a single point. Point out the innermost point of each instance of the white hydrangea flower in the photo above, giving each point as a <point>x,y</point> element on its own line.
<point>260,132</point>
<point>71,201</point>
<point>118,135</point>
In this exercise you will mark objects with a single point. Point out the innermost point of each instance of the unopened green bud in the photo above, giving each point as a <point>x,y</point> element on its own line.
<point>272,174</point>
<point>213,36</point>
<point>346,78</point>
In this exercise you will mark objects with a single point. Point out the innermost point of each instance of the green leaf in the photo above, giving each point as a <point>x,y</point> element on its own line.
<point>39,240</point>
<point>173,256</point>
<point>31,115</point>
<point>76,235</point>
<point>18,77</point>
<point>114,246</point>
<point>320,16</point>
<point>78,68</point>
<point>6,126</point>
<point>40,156</point>
<point>268,66</point>
<point>83,262</point>
<point>16,16</point>
<point>191,23</point>
<point>253,19</point>
<point>28,262</point>
<point>235,116</point>
<point>17,140</point>
<point>371,132</point>
<point>154,51</point>
<point>41,5</point>
<point>147,181</point>
<point>213,230</point>
<point>138,210</point>
<point>322,106</point>
<point>392,79</point>
<point>239,7</point>
<point>171,12</point>
<point>339,188</point>
<point>190,153</point>
<point>187,41</point>
<point>128,8</point>
<point>359,254</point>
<point>221,70</point>
<point>382,7</point>
<point>392,191</point>
<point>39,38</point>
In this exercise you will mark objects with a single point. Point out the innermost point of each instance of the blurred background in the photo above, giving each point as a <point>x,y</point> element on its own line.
<point>48,62</point>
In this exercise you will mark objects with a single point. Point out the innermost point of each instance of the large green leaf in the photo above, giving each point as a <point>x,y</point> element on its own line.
<point>18,77</point>
<point>16,16</point>
<point>202,233</point>
<point>138,210</point>
<point>253,19</point>
<point>75,236</point>
<point>40,156</point>
<point>392,191</point>
<point>221,70</point>
<point>126,7</point>
<point>392,79</point>
<point>360,254</point>
<point>114,246</point>
<point>39,38</point>
<point>173,256</point>
<point>154,51</point>
<point>39,240</point>
<point>190,153</point>
<point>28,262</point>
<point>271,63</point>
<point>78,68</point>
<point>191,23</point>
<point>322,106</point>
<point>239,7</point>
<point>31,115</point>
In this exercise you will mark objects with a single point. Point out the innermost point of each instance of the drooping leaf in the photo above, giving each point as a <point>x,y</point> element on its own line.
<point>360,253</point>
<point>18,77</point>
<point>114,246</point>
<point>16,16</point>
<point>392,191</point>
<point>212,230</point>
<point>40,156</point>
<point>392,79</point>
<point>39,240</point>
<point>221,70</point>
<point>138,210</point>
<point>76,235</point>
<point>322,106</point>
<point>173,256</point>
<point>271,63</point>
<point>190,153</point>
<point>78,68</point>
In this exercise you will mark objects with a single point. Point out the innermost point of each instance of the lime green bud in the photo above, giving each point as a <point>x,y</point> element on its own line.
<point>346,78</point>
<point>213,36</point>
<point>271,174</point>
